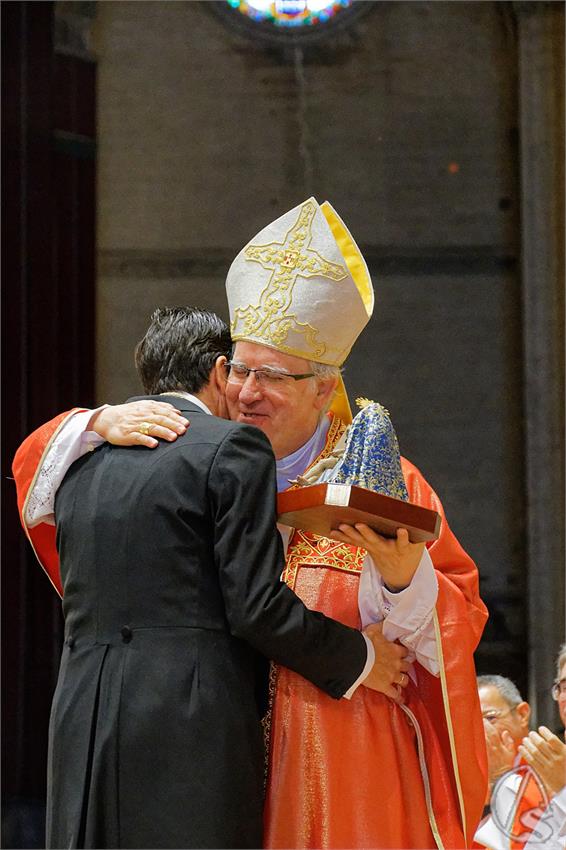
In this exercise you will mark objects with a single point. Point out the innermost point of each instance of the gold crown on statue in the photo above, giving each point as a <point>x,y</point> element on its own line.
<point>301,286</point>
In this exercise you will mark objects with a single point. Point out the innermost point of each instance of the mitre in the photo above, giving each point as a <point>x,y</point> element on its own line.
<point>301,286</point>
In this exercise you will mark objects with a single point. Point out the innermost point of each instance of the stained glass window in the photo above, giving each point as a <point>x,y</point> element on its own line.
<point>290,13</point>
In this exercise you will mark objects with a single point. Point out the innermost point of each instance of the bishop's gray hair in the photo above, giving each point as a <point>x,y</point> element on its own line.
<point>561,660</point>
<point>322,370</point>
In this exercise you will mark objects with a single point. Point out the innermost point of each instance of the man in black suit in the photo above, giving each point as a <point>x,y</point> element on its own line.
<point>170,566</point>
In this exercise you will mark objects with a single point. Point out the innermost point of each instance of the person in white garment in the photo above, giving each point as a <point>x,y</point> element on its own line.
<point>546,754</point>
<point>527,770</point>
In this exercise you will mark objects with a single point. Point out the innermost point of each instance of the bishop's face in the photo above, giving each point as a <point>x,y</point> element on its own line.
<point>287,411</point>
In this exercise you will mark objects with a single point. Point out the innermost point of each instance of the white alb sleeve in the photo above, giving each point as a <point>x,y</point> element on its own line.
<point>69,445</point>
<point>407,616</point>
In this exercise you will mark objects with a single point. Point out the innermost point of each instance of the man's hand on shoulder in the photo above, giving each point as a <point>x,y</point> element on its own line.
<point>139,423</point>
<point>389,674</point>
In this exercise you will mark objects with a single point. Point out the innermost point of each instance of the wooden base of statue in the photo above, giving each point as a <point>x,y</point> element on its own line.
<point>321,508</point>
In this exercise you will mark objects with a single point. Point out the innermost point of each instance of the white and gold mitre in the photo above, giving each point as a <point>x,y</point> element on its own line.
<point>301,286</point>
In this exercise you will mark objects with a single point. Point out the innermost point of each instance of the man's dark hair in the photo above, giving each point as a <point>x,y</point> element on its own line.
<point>180,348</point>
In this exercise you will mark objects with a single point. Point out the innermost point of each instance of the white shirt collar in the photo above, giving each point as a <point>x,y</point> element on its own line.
<point>191,398</point>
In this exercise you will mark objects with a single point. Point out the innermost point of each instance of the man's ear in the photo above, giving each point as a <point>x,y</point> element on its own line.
<point>219,374</point>
<point>523,711</point>
<point>325,391</point>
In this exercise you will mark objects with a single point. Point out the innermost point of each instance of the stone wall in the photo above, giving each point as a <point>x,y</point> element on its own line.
<point>408,125</point>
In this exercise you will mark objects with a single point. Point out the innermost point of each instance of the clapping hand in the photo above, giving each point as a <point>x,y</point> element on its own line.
<point>546,754</point>
<point>500,751</point>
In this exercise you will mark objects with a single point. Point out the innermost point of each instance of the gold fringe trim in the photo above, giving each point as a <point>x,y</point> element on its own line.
<point>266,720</point>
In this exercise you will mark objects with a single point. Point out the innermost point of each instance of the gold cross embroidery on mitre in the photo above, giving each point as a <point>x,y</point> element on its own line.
<point>287,260</point>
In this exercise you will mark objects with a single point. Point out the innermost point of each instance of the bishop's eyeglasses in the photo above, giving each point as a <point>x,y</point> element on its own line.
<point>266,377</point>
<point>558,689</point>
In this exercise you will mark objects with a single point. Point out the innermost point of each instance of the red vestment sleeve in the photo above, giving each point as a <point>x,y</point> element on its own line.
<point>26,465</point>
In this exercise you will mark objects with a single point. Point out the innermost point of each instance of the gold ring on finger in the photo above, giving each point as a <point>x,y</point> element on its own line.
<point>145,428</point>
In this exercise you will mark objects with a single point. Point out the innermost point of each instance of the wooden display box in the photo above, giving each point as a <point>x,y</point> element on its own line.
<point>323,507</point>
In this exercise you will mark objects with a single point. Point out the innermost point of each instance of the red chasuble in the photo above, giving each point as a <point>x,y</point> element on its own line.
<point>365,773</point>
<point>361,773</point>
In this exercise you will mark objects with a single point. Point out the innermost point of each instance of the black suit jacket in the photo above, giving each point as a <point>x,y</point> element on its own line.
<point>171,570</point>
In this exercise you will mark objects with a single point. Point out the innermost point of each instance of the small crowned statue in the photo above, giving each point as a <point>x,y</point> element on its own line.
<point>366,455</point>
